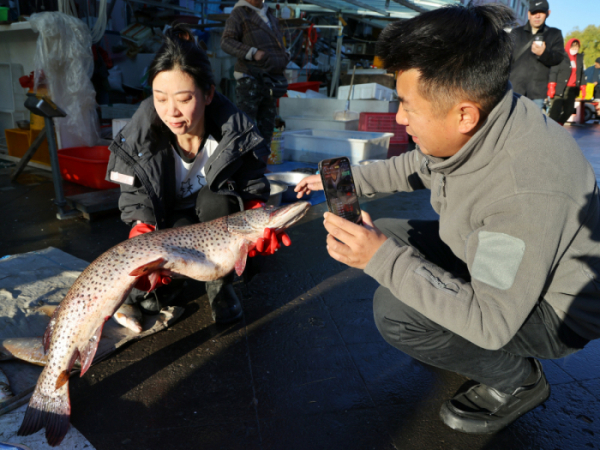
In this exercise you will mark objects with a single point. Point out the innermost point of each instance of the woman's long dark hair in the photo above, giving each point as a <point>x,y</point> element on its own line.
<point>180,52</point>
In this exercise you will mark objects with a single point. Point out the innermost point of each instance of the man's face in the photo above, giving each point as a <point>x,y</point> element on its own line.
<point>435,133</point>
<point>597,65</point>
<point>537,18</point>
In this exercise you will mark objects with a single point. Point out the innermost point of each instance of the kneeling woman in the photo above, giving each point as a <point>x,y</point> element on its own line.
<point>171,174</point>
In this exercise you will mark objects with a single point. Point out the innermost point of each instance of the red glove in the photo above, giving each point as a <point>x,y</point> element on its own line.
<point>155,279</point>
<point>551,90</point>
<point>269,244</point>
<point>253,204</point>
<point>583,89</point>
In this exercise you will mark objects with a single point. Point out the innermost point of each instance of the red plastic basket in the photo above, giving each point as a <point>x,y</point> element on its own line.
<point>85,166</point>
<point>383,123</point>
<point>305,86</point>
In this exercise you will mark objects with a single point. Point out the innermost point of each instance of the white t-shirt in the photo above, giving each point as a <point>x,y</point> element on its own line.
<point>190,175</point>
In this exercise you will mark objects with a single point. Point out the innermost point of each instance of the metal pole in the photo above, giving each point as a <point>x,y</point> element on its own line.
<point>338,59</point>
<point>56,179</point>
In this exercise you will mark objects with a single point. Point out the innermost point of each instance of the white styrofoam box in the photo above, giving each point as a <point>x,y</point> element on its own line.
<point>327,107</point>
<point>316,145</point>
<point>366,91</point>
<point>318,123</point>
<point>133,68</point>
<point>291,75</point>
<point>117,125</point>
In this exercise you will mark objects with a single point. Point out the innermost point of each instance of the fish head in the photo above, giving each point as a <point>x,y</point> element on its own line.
<point>252,223</point>
<point>5,392</point>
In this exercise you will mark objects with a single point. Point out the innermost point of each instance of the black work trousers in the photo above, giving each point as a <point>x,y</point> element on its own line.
<point>563,106</point>
<point>543,335</point>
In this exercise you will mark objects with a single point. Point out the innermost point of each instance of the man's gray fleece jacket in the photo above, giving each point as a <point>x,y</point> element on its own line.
<point>519,205</point>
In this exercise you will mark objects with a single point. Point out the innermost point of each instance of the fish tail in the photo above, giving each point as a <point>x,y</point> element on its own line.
<point>52,413</point>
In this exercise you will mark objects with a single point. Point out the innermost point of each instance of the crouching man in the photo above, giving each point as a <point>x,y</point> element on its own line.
<point>510,272</point>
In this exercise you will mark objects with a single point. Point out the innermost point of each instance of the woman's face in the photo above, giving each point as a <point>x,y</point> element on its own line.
<point>575,46</point>
<point>180,103</point>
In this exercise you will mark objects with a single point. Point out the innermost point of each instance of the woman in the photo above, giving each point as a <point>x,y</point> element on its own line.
<point>566,80</point>
<point>172,175</point>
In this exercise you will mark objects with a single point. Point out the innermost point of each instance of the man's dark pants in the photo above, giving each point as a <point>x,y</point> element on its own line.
<point>543,335</point>
<point>256,101</point>
<point>563,106</point>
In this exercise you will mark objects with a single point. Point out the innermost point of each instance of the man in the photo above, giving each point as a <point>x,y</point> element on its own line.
<point>537,48</point>
<point>253,35</point>
<point>509,273</point>
<point>593,76</point>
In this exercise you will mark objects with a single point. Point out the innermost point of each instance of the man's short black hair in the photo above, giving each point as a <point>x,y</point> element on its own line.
<point>462,53</point>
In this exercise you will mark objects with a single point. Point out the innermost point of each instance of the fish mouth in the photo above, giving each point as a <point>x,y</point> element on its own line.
<point>286,216</point>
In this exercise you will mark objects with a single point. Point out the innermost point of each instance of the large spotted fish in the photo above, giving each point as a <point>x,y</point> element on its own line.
<point>204,252</point>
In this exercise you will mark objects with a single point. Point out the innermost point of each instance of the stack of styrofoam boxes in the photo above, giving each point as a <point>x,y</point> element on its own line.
<point>12,99</point>
<point>366,91</point>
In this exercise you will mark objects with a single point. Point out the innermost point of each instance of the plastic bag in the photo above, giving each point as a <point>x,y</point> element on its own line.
<point>64,58</point>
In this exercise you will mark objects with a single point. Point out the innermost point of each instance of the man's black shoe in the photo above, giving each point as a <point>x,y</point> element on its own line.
<point>482,409</point>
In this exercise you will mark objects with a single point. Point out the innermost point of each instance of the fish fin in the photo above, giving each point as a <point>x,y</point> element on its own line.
<point>240,262</point>
<point>154,278</point>
<point>148,267</point>
<point>62,379</point>
<point>50,412</point>
<point>47,309</point>
<point>87,353</point>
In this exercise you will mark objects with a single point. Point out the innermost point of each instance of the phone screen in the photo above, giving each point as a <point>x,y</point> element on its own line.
<point>339,188</point>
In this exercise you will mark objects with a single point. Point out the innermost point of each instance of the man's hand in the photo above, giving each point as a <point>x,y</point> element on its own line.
<point>260,54</point>
<point>358,242</point>
<point>308,184</point>
<point>538,49</point>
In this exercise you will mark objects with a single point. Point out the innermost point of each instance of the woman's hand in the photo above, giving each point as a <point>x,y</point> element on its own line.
<point>308,184</point>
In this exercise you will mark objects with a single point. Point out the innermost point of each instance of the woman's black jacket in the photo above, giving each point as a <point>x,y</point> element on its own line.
<point>143,163</point>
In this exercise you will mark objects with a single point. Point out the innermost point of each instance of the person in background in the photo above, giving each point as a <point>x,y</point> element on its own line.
<point>171,174</point>
<point>566,81</point>
<point>537,48</point>
<point>592,75</point>
<point>509,274</point>
<point>253,35</point>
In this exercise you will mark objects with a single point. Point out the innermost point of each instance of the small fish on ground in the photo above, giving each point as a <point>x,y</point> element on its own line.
<point>129,316</point>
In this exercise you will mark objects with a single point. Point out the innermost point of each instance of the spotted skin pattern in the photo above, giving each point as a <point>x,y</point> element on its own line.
<point>204,252</point>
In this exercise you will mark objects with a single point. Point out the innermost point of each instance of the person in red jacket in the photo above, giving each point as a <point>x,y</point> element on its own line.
<point>565,82</point>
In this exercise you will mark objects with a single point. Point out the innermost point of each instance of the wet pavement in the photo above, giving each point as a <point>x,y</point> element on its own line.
<point>305,368</point>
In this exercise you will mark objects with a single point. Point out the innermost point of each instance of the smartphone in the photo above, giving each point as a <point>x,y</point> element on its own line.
<point>539,40</point>
<point>339,188</point>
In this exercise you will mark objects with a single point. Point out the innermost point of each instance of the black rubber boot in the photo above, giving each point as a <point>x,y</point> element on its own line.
<point>225,305</point>
<point>151,303</point>
<point>482,409</point>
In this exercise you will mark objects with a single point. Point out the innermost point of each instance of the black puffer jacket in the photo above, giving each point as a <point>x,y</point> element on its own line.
<point>529,73</point>
<point>143,163</point>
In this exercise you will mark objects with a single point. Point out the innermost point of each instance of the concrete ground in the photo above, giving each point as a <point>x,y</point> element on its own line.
<point>305,368</point>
